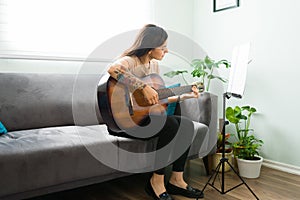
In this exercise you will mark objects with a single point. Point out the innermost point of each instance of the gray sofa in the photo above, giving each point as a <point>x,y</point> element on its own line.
<point>57,139</point>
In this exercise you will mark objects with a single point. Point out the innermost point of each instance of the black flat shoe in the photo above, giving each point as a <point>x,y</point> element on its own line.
<point>188,192</point>
<point>149,190</point>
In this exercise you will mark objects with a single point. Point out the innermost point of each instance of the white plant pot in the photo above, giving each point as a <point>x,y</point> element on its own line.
<point>249,168</point>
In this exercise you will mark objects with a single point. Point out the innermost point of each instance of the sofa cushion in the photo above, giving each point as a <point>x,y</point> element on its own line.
<point>44,157</point>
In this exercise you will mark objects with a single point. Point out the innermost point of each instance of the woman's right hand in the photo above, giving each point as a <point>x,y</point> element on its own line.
<point>150,95</point>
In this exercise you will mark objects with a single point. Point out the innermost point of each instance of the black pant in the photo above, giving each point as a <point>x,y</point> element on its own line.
<point>177,131</point>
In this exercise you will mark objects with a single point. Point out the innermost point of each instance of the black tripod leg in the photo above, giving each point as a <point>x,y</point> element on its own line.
<point>243,182</point>
<point>214,174</point>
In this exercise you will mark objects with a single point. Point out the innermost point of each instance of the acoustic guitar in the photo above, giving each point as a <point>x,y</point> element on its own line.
<point>120,109</point>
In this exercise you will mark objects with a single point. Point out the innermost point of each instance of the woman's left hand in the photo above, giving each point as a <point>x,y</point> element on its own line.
<point>193,94</point>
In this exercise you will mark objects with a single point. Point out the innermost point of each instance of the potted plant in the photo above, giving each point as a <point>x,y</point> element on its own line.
<point>203,69</point>
<point>247,145</point>
<point>228,152</point>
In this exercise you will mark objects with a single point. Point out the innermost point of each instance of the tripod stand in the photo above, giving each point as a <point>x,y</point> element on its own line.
<point>224,160</point>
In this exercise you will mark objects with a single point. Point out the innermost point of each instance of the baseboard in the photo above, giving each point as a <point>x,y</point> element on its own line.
<point>281,166</point>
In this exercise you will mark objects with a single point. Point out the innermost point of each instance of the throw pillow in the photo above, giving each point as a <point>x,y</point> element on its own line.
<point>172,106</point>
<point>2,129</point>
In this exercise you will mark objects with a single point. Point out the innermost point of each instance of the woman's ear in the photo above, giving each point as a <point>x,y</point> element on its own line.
<point>150,54</point>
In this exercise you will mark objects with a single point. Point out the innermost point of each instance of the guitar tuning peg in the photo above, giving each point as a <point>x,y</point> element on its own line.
<point>200,86</point>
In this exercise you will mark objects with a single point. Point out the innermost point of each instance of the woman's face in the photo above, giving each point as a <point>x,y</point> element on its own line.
<point>159,52</point>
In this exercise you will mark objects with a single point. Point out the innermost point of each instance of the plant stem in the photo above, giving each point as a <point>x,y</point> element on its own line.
<point>248,122</point>
<point>247,125</point>
<point>208,82</point>
<point>238,130</point>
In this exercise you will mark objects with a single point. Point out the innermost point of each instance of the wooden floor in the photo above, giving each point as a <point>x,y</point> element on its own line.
<point>271,185</point>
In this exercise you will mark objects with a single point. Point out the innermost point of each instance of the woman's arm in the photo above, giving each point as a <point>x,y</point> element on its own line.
<point>182,97</point>
<point>121,73</point>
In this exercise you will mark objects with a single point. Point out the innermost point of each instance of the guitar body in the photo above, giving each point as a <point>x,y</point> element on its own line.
<point>125,110</point>
<point>122,110</point>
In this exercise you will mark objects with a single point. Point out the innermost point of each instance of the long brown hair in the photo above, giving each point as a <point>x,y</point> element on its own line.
<point>149,37</point>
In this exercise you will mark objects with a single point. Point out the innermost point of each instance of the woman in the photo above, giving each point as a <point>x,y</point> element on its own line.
<point>137,62</point>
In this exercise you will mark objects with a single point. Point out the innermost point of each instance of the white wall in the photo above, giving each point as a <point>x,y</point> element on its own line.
<point>272,87</point>
<point>175,15</point>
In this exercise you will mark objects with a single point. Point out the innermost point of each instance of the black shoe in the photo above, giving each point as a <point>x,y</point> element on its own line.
<point>149,190</point>
<point>188,192</point>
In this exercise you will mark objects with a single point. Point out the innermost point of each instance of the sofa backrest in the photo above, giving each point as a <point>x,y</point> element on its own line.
<point>45,100</point>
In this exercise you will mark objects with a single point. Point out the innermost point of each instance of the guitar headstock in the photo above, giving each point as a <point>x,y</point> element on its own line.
<point>199,85</point>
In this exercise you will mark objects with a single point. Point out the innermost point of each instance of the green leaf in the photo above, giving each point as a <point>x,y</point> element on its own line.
<point>230,115</point>
<point>197,63</point>
<point>198,73</point>
<point>246,108</point>
<point>171,74</point>
<point>224,62</point>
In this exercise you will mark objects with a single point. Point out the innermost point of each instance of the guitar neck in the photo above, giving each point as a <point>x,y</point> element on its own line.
<point>168,92</point>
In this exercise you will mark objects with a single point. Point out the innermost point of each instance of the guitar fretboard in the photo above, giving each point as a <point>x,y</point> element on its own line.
<point>168,92</point>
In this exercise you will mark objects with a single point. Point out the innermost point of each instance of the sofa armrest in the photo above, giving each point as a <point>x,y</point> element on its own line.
<point>203,110</point>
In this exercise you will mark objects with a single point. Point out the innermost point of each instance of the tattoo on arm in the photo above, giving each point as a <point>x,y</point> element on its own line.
<point>125,77</point>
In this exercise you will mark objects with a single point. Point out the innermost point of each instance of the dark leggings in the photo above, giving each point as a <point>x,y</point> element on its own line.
<point>175,127</point>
